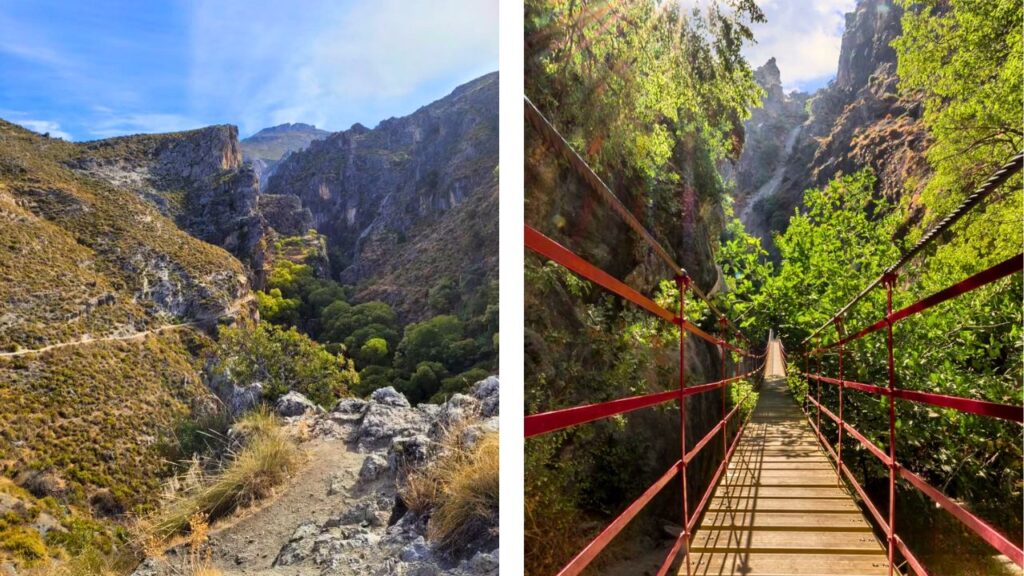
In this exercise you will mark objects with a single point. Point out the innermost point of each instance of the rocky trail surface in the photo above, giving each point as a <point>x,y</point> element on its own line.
<point>341,514</point>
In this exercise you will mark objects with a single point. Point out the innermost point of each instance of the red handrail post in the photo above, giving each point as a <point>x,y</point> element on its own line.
<point>890,279</point>
<point>807,371</point>
<point>839,447</point>
<point>725,425</point>
<point>682,283</point>
<point>818,384</point>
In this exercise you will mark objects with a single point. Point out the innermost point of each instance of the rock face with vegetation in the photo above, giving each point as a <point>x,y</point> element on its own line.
<point>266,148</point>
<point>409,202</point>
<point>195,178</point>
<point>860,119</point>
<point>771,136</point>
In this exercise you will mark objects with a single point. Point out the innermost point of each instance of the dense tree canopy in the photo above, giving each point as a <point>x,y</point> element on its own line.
<point>966,58</point>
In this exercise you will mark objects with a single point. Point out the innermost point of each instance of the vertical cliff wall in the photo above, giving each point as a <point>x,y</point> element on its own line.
<point>409,202</point>
<point>859,120</point>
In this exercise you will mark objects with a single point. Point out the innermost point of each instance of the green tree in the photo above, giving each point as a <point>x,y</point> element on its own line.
<point>321,294</point>
<point>443,296</point>
<point>355,325</point>
<point>282,360</point>
<point>424,381</point>
<point>966,59</point>
<point>374,351</point>
<point>373,377</point>
<point>277,309</point>
<point>290,278</point>
<point>626,81</point>
<point>439,339</point>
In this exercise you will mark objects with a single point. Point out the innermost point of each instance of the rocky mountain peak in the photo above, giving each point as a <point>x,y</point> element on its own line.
<point>870,28</point>
<point>768,77</point>
<point>266,149</point>
<point>287,127</point>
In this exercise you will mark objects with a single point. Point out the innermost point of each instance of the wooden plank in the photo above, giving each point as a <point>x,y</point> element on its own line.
<point>757,520</point>
<point>816,464</point>
<point>781,541</point>
<point>806,505</point>
<point>782,492</point>
<point>718,564</point>
<point>780,508</point>
<point>764,473</point>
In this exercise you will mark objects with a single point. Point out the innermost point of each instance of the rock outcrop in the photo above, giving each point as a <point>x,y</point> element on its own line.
<point>859,120</point>
<point>771,136</point>
<point>266,148</point>
<point>389,538</point>
<point>409,202</point>
<point>197,178</point>
<point>344,514</point>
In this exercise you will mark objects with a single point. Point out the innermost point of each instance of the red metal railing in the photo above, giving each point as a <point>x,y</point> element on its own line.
<point>897,470</point>
<point>546,422</point>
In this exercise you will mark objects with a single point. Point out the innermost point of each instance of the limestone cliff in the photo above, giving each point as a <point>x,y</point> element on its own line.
<point>196,178</point>
<point>409,202</point>
<point>858,120</point>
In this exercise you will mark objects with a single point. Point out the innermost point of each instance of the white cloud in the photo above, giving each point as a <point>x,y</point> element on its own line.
<point>110,124</point>
<point>45,126</point>
<point>316,63</point>
<point>804,36</point>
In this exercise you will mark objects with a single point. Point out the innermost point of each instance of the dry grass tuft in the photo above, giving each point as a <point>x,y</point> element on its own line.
<point>460,491</point>
<point>89,562</point>
<point>249,476</point>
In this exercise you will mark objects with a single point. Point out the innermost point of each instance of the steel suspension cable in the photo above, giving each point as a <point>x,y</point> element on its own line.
<point>555,139</point>
<point>990,185</point>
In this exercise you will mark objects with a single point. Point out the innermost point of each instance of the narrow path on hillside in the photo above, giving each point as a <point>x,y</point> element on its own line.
<point>86,339</point>
<point>249,543</point>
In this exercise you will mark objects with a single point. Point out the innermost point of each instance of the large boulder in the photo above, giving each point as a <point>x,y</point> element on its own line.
<point>388,415</point>
<point>389,397</point>
<point>486,391</point>
<point>294,404</point>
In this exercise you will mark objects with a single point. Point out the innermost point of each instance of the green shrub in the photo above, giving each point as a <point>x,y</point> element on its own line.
<point>374,351</point>
<point>284,360</point>
<point>277,309</point>
<point>24,544</point>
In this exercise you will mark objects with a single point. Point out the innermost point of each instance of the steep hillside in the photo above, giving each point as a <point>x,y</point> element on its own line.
<point>266,148</point>
<point>409,203</point>
<point>105,306</point>
<point>859,120</point>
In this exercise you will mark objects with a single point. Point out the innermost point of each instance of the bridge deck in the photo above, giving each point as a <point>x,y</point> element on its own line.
<point>780,509</point>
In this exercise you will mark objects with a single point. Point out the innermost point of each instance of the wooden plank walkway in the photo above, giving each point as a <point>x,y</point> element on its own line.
<point>780,509</point>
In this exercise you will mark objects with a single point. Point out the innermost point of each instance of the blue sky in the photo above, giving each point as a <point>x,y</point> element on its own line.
<point>804,36</point>
<point>87,70</point>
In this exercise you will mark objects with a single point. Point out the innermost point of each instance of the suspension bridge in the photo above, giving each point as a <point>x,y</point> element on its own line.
<point>780,501</point>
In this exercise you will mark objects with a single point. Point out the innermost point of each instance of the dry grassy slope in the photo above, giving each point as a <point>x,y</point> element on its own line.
<point>84,259</point>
